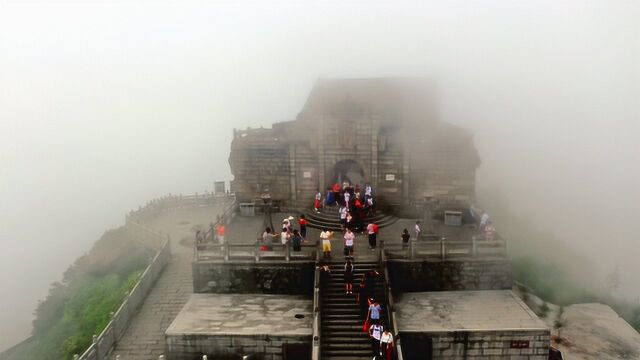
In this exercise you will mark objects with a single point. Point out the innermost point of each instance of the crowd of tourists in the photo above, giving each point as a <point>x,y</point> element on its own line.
<point>288,235</point>
<point>215,234</point>
<point>352,203</point>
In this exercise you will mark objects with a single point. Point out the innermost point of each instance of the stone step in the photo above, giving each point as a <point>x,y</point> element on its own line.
<point>347,346</point>
<point>335,217</point>
<point>337,226</point>
<point>350,339</point>
<point>343,334</point>
<point>340,317</point>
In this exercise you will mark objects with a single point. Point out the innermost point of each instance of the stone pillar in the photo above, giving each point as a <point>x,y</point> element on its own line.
<point>321,156</point>
<point>374,152</point>
<point>405,174</point>
<point>293,189</point>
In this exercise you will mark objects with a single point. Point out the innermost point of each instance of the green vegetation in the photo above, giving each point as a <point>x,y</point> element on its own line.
<point>81,304</point>
<point>550,283</point>
<point>556,271</point>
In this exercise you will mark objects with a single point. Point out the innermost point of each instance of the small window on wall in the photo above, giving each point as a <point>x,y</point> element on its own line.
<point>306,174</point>
<point>390,177</point>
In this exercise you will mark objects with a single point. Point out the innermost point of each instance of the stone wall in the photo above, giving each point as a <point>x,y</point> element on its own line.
<point>434,275</point>
<point>259,162</point>
<point>231,347</point>
<point>245,278</point>
<point>344,120</point>
<point>503,344</point>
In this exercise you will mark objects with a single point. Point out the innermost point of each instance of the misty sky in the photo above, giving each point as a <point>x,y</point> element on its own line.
<point>106,104</point>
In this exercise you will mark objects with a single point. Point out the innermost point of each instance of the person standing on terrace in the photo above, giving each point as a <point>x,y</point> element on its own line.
<point>302,222</point>
<point>349,239</point>
<point>317,202</point>
<point>372,230</point>
<point>325,237</point>
<point>267,239</point>
<point>296,240</point>
<point>405,238</point>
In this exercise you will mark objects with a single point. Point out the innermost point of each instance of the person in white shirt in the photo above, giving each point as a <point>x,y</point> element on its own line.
<point>349,238</point>
<point>386,344</point>
<point>484,220</point>
<point>343,216</point>
<point>417,230</point>
<point>284,237</point>
<point>375,332</point>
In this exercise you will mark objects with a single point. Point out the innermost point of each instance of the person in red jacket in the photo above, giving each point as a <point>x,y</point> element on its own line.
<point>302,222</point>
<point>372,230</point>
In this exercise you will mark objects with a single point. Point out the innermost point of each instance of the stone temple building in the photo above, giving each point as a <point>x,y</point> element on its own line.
<point>383,132</point>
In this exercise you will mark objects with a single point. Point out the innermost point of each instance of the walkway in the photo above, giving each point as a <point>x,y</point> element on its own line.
<point>144,338</point>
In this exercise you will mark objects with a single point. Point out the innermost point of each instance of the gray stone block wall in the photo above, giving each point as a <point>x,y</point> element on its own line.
<point>242,278</point>
<point>231,347</point>
<point>471,345</point>
<point>448,275</point>
<point>420,158</point>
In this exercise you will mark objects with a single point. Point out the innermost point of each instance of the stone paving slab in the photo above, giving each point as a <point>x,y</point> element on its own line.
<point>240,314</point>
<point>448,311</point>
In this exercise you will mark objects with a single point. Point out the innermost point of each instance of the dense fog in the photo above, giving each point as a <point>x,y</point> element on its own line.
<point>106,104</point>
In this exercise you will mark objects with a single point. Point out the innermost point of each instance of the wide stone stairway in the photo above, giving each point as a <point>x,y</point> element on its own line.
<point>341,328</point>
<point>329,218</point>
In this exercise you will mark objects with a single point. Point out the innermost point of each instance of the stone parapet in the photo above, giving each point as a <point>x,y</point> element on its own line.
<point>499,344</point>
<point>446,275</point>
<point>295,278</point>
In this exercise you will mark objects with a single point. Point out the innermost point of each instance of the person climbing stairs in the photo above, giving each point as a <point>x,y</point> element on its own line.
<point>342,322</point>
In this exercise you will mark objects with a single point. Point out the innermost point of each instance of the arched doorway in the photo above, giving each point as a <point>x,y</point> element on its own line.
<point>349,171</point>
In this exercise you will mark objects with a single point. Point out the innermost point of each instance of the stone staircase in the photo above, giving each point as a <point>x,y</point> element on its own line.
<point>341,328</point>
<point>329,218</point>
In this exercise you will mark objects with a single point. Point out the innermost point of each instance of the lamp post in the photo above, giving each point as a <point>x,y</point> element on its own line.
<point>428,210</point>
<point>266,199</point>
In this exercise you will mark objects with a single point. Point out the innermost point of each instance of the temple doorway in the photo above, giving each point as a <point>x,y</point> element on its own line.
<point>349,171</point>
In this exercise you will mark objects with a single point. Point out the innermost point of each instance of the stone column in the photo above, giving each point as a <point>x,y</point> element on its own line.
<point>405,174</point>
<point>293,189</point>
<point>374,152</point>
<point>321,154</point>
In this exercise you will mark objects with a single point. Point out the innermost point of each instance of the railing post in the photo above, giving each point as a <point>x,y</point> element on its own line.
<point>287,251</point>
<point>257,254</point>
<point>412,248</point>
<point>195,250</point>
<point>225,250</point>
<point>76,357</point>
<point>443,250</point>
<point>474,246</point>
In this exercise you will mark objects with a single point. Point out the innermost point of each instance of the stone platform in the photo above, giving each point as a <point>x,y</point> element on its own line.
<point>228,326</point>
<point>470,325</point>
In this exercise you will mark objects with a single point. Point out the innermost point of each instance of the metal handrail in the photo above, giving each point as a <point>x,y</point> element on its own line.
<point>252,250</point>
<point>447,249</point>
<point>317,315</point>
<point>390,306</point>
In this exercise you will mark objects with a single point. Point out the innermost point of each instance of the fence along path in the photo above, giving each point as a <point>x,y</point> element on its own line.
<point>144,337</point>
